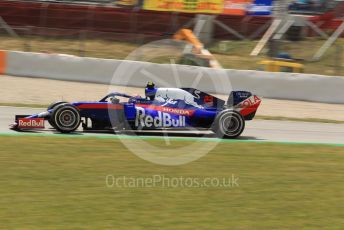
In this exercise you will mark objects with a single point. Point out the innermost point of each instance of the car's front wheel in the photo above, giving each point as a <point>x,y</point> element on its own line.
<point>229,124</point>
<point>66,118</point>
<point>53,106</point>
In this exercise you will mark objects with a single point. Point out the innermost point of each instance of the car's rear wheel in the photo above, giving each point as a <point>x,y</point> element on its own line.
<point>66,118</point>
<point>229,124</point>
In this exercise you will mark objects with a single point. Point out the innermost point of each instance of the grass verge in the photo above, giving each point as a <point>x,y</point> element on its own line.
<point>278,187</point>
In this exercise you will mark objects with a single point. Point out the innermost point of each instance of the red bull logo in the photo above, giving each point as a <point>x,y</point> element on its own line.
<point>30,123</point>
<point>161,120</point>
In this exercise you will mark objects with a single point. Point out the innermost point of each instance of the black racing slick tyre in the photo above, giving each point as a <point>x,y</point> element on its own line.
<point>52,106</point>
<point>229,124</point>
<point>66,118</point>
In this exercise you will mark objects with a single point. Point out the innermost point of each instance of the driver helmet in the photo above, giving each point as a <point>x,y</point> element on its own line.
<point>150,91</point>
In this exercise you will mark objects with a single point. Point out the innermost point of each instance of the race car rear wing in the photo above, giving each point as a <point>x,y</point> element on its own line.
<point>235,97</point>
<point>244,102</point>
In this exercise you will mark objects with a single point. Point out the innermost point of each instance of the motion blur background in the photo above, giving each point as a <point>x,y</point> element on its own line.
<point>236,32</point>
<point>52,181</point>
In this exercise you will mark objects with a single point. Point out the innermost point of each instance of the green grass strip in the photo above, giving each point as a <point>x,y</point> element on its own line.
<point>201,139</point>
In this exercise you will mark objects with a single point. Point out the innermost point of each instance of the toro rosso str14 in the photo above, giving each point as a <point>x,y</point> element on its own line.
<point>162,108</point>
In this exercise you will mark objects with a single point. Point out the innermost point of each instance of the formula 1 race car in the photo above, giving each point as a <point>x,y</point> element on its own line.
<point>162,108</point>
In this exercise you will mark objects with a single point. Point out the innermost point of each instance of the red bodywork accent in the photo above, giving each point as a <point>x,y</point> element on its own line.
<point>100,106</point>
<point>249,105</point>
<point>177,111</point>
<point>208,99</point>
<point>246,111</point>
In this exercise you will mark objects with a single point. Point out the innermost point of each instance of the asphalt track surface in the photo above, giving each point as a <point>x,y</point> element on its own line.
<point>256,130</point>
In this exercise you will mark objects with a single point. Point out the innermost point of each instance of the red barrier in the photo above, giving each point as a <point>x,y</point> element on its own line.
<point>103,19</point>
<point>339,11</point>
<point>91,18</point>
<point>327,21</point>
<point>123,24</point>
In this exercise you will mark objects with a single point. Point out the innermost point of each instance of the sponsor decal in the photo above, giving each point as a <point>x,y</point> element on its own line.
<point>260,7</point>
<point>236,7</point>
<point>250,101</point>
<point>161,120</point>
<point>31,123</point>
<point>250,105</point>
<point>194,6</point>
<point>172,94</point>
<point>197,94</point>
<point>177,111</point>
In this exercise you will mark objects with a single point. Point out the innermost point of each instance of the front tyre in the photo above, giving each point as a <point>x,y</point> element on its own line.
<point>229,124</point>
<point>66,118</point>
<point>52,106</point>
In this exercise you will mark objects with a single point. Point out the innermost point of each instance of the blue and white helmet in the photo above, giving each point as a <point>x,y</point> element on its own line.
<point>150,91</point>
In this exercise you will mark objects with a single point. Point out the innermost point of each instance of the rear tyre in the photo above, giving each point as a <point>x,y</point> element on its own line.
<point>229,124</point>
<point>52,106</point>
<point>66,118</point>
